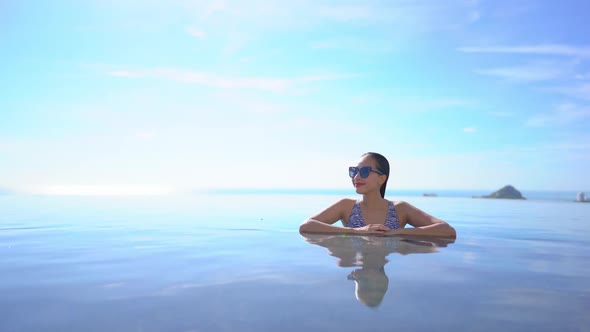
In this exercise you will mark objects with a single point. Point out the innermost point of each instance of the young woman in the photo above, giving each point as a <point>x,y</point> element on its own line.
<point>373,214</point>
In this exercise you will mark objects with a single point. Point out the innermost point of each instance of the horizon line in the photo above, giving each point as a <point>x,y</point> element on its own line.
<point>169,191</point>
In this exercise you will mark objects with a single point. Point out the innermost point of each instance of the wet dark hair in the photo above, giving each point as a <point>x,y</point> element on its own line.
<point>382,165</point>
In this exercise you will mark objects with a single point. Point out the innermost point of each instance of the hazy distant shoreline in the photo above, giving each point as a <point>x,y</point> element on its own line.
<point>392,193</point>
<point>465,193</point>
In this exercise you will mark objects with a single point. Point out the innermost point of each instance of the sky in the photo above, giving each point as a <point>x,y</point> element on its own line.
<point>153,97</point>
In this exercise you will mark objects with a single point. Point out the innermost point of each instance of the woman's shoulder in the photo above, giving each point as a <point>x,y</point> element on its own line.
<point>343,204</point>
<point>346,204</point>
<point>401,206</point>
<point>347,201</point>
<point>399,203</point>
<point>404,209</point>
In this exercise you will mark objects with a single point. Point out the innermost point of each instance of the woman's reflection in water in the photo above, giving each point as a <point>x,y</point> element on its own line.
<point>369,253</point>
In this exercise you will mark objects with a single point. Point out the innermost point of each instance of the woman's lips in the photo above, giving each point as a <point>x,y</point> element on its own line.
<point>359,184</point>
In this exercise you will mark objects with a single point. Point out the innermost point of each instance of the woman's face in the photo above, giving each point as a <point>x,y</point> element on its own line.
<point>370,285</point>
<point>371,182</point>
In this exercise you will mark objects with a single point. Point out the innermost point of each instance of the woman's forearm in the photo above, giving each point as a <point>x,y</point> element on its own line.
<point>438,229</point>
<point>314,226</point>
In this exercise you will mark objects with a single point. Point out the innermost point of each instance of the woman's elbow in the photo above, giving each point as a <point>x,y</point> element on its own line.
<point>450,231</point>
<point>305,226</point>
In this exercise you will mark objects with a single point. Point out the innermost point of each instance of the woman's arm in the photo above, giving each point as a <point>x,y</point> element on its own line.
<point>312,225</point>
<point>323,222</point>
<point>424,224</point>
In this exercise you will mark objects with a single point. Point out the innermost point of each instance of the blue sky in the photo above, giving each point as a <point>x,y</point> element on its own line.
<point>159,96</point>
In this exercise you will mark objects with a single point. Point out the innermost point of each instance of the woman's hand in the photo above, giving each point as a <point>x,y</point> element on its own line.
<point>372,229</point>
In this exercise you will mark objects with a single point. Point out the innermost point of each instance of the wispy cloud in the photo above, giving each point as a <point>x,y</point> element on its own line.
<point>563,114</point>
<point>532,72</point>
<point>100,190</point>
<point>474,16</point>
<point>396,17</point>
<point>470,129</point>
<point>404,14</point>
<point>567,77</point>
<point>543,49</point>
<point>249,103</point>
<point>269,84</point>
<point>423,105</point>
<point>124,73</point>
<point>579,91</point>
<point>348,12</point>
<point>501,114</point>
<point>355,44</point>
<point>514,10</point>
<point>401,102</point>
<point>145,135</point>
<point>583,76</point>
<point>399,22</point>
<point>583,143</point>
<point>214,7</point>
<point>196,32</point>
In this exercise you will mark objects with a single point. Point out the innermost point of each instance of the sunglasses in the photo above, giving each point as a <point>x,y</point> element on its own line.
<point>363,171</point>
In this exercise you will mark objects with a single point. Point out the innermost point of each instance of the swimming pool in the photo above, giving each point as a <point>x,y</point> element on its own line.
<point>238,263</point>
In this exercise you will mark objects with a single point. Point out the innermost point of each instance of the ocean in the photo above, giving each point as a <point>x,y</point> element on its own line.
<point>235,261</point>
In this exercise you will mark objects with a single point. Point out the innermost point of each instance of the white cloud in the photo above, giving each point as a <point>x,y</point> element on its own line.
<point>216,6</point>
<point>514,9</point>
<point>355,44</point>
<point>585,76</point>
<point>543,49</point>
<point>474,16</point>
<point>111,166</point>
<point>395,17</point>
<point>580,91</point>
<point>196,32</point>
<point>100,190</point>
<point>470,129</point>
<point>145,135</point>
<point>123,73</point>
<point>570,73</point>
<point>347,12</point>
<point>406,16</point>
<point>563,114</point>
<point>398,101</point>
<point>532,72</point>
<point>501,114</point>
<point>426,105</point>
<point>582,143</point>
<point>249,103</point>
<point>237,23</point>
<point>247,59</point>
<point>268,84</point>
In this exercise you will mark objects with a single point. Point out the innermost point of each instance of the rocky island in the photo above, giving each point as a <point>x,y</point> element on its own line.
<point>506,192</point>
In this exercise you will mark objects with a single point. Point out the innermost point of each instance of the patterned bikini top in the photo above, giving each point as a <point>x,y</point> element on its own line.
<point>356,218</point>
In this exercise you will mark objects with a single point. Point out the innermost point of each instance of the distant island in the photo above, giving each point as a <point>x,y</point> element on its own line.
<point>429,195</point>
<point>506,192</point>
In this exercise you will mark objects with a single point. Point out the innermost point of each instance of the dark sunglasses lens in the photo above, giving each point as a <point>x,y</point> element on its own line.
<point>365,171</point>
<point>352,171</point>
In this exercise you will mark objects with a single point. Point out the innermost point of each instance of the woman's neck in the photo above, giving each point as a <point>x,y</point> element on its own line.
<point>372,199</point>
